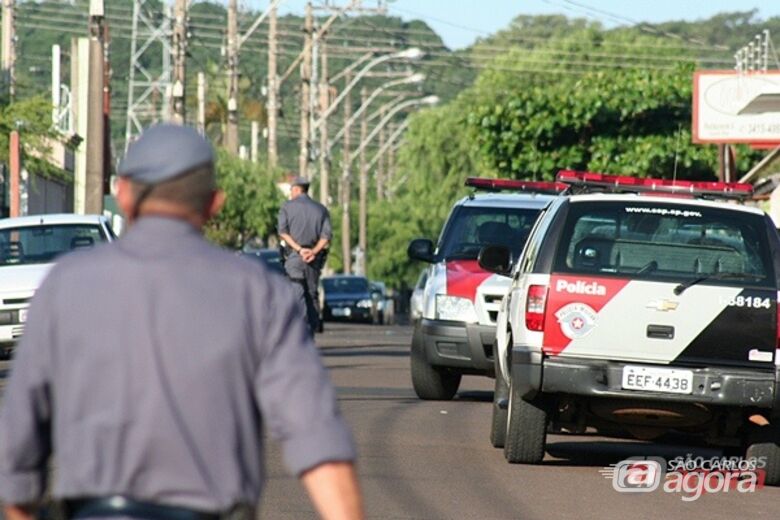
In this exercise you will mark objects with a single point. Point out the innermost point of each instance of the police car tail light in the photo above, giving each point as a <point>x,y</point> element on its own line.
<point>777,333</point>
<point>625,183</point>
<point>552,188</point>
<point>535,305</point>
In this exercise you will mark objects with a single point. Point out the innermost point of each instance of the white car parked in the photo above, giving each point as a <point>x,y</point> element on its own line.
<point>28,249</point>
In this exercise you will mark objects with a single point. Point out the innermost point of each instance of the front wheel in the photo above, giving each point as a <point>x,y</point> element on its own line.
<point>498,423</point>
<point>526,429</point>
<point>430,382</point>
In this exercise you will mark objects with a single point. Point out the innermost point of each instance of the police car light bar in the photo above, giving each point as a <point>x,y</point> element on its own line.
<point>480,183</point>
<point>725,190</point>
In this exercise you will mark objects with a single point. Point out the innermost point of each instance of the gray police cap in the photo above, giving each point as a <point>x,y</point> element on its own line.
<point>300,181</point>
<point>164,152</point>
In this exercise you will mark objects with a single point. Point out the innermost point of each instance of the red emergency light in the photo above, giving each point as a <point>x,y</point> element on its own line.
<point>625,183</point>
<point>552,188</point>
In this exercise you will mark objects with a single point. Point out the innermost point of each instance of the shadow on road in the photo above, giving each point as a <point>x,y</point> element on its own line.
<point>605,452</point>
<point>371,350</point>
<point>481,396</point>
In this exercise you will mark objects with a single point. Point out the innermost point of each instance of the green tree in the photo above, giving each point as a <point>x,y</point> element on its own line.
<point>30,117</point>
<point>633,122</point>
<point>252,202</point>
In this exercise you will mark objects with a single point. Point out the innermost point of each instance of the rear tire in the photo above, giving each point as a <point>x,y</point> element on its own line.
<point>763,444</point>
<point>526,430</point>
<point>430,382</point>
<point>498,423</point>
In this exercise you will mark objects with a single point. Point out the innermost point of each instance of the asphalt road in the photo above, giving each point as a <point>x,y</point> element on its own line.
<point>433,460</point>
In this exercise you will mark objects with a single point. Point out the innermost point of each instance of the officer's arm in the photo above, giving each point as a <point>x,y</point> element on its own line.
<point>290,242</point>
<point>325,235</point>
<point>14,512</point>
<point>25,415</point>
<point>333,488</point>
<point>320,245</point>
<point>298,403</point>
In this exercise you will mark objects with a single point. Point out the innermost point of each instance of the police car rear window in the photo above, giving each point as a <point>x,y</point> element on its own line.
<point>665,241</point>
<point>471,228</point>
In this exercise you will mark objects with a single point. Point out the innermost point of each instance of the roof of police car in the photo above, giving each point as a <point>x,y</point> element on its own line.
<point>52,219</point>
<point>634,197</point>
<point>507,200</point>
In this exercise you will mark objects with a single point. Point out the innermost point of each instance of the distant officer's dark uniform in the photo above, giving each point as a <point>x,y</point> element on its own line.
<point>306,221</point>
<point>152,364</point>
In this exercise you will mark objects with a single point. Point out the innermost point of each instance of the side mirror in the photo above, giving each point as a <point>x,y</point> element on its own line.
<point>496,259</point>
<point>421,249</point>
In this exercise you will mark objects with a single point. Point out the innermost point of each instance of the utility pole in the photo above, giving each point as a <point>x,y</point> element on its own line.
<point>15,168</point>
<point>380,170</point>
<point>324,90</point>
<point>9,46</point>
<point>231,133</point>
<point>179,60</point>
<point>306,65</point>
<point>273,89</point>
<point>93,201</point>
<point>56,85</point>
<point>201,103</point>
<point>391,158</point>
<point>254,141</point>
<point>345,184</point>
<point>363,217</point>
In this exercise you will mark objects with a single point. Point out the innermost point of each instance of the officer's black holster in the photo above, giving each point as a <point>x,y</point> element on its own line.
<point>123,506</point>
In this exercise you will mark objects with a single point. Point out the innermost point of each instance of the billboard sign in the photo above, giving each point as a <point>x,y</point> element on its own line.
<point>736,108</point>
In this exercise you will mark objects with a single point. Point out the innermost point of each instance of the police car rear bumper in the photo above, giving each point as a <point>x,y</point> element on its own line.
<point>455,344</point>
<point>596,378</point>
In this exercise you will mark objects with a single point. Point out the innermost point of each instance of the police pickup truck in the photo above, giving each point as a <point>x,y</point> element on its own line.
<point>641,307</point>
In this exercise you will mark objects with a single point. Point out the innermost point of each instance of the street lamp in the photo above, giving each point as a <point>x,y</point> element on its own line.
<point>427,100</point>
<point>390,142</point>
<point>347,161</point>
<point>411,54</point>
<point>414,78</point>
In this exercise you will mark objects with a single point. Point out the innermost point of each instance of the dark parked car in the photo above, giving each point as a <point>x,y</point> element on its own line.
<point>270,257</point>
<point>347,297</point>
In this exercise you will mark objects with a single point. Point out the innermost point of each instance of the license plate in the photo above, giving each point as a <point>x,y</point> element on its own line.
<point>658,379</point>
<point>342,312</point>
<point>22,315</point>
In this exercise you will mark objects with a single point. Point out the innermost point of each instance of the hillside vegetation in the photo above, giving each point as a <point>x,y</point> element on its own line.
<point>544,93</point>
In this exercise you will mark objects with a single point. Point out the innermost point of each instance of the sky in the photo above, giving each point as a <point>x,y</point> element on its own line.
<point>460,22</point>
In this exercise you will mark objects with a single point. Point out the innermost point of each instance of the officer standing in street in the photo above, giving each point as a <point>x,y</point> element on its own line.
<point>304,225</point>
<point>149,367</point>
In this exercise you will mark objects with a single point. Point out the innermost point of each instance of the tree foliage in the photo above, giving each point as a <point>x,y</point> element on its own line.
<point>252,202</point>
<point>633,122</point>
<point>567,102</point>
<point>30,117</point>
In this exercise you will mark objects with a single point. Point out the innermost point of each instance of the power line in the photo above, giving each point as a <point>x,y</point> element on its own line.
<point>639,25</point>
<point>445,22</point>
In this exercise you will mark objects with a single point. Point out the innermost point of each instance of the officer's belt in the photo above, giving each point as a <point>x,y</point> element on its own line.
<point>123,506</point>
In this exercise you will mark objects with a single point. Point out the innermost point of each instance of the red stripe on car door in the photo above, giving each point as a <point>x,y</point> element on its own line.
<point>565,290</point>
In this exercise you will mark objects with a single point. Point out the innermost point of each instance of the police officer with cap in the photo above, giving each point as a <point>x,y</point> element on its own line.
<point>150,365</point>
<point>304,225</point>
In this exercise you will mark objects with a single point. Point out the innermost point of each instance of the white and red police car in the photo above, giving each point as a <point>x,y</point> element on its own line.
<point>641,307</point>
<point>460,299</point>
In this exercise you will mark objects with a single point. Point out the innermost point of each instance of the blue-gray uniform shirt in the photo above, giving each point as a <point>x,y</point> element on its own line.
<point>149,367</point>
<point>307,221</point>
